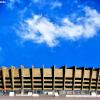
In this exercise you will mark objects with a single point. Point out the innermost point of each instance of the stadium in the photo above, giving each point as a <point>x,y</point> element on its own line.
<point>62,81</point>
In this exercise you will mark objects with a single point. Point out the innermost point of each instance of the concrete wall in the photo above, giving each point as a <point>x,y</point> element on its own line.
<point>49,78</point>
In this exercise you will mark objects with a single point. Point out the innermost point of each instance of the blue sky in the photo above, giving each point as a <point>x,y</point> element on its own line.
<point>50,32</point>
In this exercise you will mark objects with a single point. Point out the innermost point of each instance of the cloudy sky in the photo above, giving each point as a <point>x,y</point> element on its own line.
<point>50,32</point>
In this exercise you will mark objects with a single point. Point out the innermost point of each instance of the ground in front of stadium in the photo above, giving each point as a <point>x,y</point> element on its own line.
<point>47,98</point>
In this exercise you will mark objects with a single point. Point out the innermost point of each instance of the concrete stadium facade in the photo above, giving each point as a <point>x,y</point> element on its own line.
<point>50,79</point>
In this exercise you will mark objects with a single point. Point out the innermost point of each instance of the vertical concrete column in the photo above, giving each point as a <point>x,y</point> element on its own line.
<point>22,79</point>
<point>4,77</point>
<point>32,78</point>
<point>82,81</point>
<point>91,71</point>
<point>64,77</point>
<point>53,78</point>
<point>97,78</point>
<point>74,70</point>
<point>43,77</point>
<point>12,77</point>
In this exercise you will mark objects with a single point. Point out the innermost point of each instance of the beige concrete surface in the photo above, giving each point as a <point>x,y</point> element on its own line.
<point>48,98</point>
<point>49,78</point>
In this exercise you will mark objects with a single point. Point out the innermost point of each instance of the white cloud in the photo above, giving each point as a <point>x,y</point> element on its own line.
<point>2,1</point>
<point>56,4</point>
<point>11,3</point>
<point>40,3</point>
<point>40,29</point>
<point>52,4</point>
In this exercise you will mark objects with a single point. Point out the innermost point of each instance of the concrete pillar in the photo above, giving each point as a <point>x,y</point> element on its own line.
<point>42,77</point>
<point>82,81</point>
<point>22,79</point>
<point>97,78</point>
<point>12,77</point>
<point>4,78</point>
<point>64,77</point>
<point>74,70</point>
<point>32,78</point>
<point>53,78</point>
<point>91,72</point>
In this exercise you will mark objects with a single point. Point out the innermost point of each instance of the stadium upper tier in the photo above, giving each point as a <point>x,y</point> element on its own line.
<point>49,78</point>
